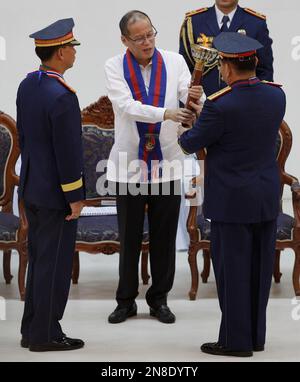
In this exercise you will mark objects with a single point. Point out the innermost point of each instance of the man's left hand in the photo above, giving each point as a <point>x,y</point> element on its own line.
<point>195,92</point>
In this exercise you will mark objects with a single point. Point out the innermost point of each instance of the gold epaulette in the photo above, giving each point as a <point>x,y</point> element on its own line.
<point>271,83</point>
<point>66,85</point>
<point>59,79</point>
<point>219,94</point>
<point>254,13</point>
<point>192,13</point>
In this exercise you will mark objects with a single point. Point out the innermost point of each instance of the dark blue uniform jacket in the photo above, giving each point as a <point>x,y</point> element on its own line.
<point>49,126</point>
<point>239,129</point>
<point>205,21</point>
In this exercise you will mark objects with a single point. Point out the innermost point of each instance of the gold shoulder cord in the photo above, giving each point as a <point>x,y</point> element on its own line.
<point>190,35</point>
<point>183,36</point>
<point>208,67</point>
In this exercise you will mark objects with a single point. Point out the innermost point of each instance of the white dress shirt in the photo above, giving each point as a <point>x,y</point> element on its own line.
<point>220,16</point>
<point>127,111</point>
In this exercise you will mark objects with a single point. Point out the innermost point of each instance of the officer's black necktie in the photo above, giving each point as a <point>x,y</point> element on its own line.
<point>224,27</point>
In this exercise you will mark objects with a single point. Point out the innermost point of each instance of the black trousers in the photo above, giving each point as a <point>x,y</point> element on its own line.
<point>51,245</point>
<point>163,213</point>
<point>243,259</point>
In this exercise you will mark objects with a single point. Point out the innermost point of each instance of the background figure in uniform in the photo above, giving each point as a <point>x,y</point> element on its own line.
<point>226,16</point>
<point>239,127</point>
<point>49,126</point>
<point>145,86</point>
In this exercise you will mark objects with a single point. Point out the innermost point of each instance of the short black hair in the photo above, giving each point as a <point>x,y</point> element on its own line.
<point>131,16</point>
<point>46,53</point>
<point>246,65</point>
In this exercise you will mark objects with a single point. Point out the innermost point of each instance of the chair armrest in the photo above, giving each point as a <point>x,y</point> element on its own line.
<point>295,188</point>
<point>16,179</point>
<point>288,179</point>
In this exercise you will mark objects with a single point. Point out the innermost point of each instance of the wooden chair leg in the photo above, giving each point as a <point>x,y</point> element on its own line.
<point>6,267</point>
<point>206,266</point>
<point>22,271</point>
<point>76,268</point>
<point>296,272</point>
<point>144,267</point>
<point>194,273</point>
<point>276,273</point>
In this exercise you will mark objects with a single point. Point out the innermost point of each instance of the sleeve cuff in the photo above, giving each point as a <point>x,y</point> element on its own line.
<point>161,113</point>
<point>74,191</point>
<point>75,196</point>
<point>185,152</point>
<point>72,186</point>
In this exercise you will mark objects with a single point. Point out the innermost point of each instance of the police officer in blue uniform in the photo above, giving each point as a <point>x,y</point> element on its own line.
<point>239,126</point>
<point>226,16</point>
<point>51,185</point>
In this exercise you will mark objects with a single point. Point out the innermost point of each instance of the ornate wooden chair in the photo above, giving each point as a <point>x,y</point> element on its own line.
<point>99,233</point>
<point>288,227</point>
<point>13,229</point>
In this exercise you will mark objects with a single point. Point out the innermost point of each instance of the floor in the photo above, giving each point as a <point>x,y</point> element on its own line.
<point>143,338</point>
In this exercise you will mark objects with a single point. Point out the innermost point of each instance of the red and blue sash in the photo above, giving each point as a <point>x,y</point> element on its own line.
<point>149,147</point>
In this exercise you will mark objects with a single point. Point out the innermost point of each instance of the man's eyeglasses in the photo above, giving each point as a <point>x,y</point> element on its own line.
<point>149,36</point>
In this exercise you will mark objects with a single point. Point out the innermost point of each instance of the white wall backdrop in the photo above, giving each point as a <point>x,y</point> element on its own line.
<point>97,29</point>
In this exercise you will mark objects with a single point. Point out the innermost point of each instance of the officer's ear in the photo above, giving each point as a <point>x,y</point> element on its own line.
<point>227,70</point>
<point>60,54</point>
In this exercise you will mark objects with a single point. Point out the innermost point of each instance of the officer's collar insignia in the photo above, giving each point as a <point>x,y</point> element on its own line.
<point>51,72</point>
<point>219,94</point>
<point>250,82</point>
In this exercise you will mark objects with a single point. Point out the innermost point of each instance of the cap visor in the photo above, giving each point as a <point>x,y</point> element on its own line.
<point>74,42</point>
